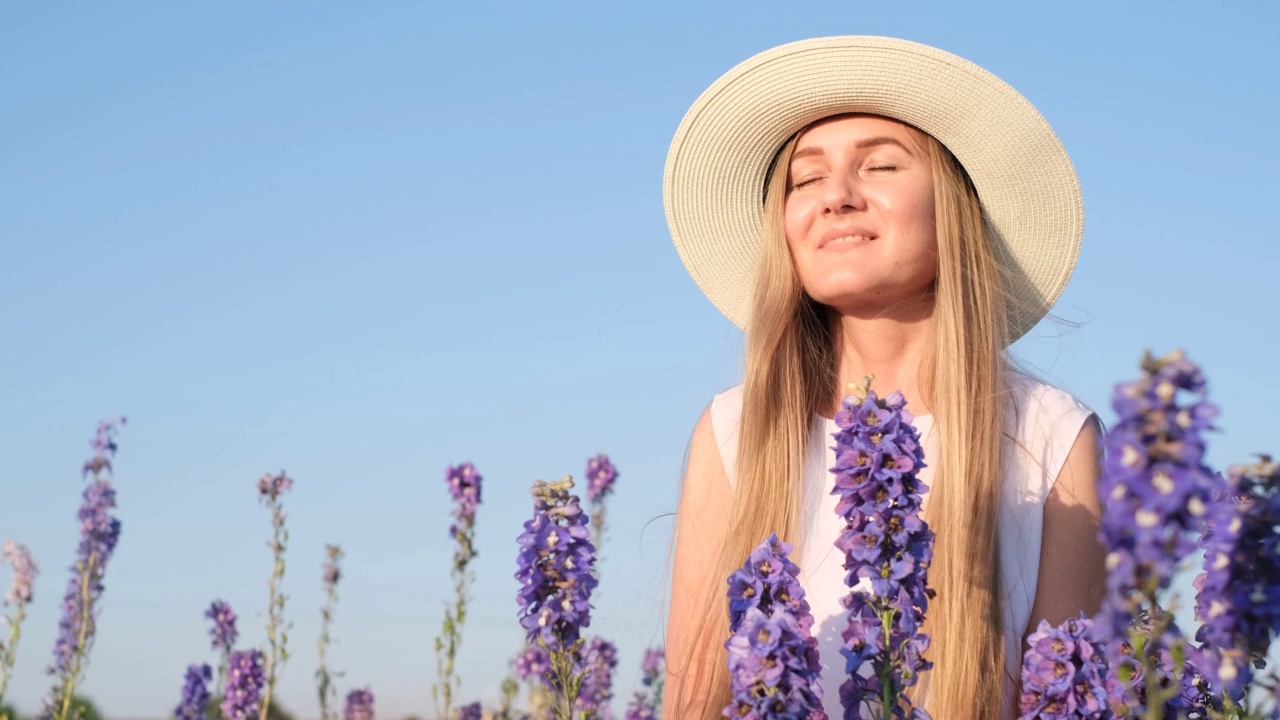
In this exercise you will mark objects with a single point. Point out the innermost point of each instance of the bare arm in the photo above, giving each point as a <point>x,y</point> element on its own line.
<point>1073,573</point>
<point>702,521</point>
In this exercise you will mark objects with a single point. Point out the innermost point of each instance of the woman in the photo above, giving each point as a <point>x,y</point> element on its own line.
<point>874,206</point>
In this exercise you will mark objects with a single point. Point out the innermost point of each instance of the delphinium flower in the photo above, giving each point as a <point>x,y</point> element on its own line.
<point>1155,491</point>
<point>1238,602</point>
<point>223,634</point>
<point>270,490</point>
<point>878,460</point>
<point>601,476</point>
<point>18,597</point>
<point>532,666</point>
<point>331,572</point>
<point>644,702</point>
<point>1064,675</point>
<point>599,658</point>
<point>99,533</point>
<point>359,705</point>
<point>195,693</point>
<point>554,569</point>
<point>773,657</point>
<point>470,712</point>
<point>464,486</point>
<point>246,678</point>
<point>1169,684</point>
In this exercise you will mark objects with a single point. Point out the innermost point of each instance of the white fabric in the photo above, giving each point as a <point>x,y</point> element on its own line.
<point>1044,422</point>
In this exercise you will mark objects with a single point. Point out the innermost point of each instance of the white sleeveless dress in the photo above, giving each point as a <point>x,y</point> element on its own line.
<point>1043,422</point>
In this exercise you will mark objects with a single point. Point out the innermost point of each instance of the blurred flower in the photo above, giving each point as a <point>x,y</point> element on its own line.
<point>272,486</point>
<point>223,632</point>
<point>464,485</point>
<point>601,475</point>
<point>331,568</point>
<point>359,705</point>
<point>195,693</point>
<point>1238,602</point>
<point>532,663</point>
<point>640,708</point>
<point>599,659</point>
<point>878,459</point>
<point>651,666</point>
<point>24,572</point>
<point>554,567</point>
<point>245,680</point>
<point>470,712</point>
<point>1155,487</point>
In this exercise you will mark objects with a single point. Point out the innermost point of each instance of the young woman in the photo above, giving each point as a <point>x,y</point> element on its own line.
<point>874,206</point>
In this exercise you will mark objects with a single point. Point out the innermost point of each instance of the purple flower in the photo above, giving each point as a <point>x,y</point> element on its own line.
<point>195,693</point>
<point>359,705</point>
<point>470,712</point>
<point>245,680</point>
<point>24,572</point>
<point>1064,674</point>
<point>1238,602</point>
<point>599,659</point>
<point>223,630</point>
<point>99,533</point>
<point>1155,488</point>
<point>601,475</point>
<point>532,663</point>
<point>464,485</point>
<point>271,486</point>
<point>773,668</point>
<point>640,708</point>
<point>651,666</point>
<point>104,447</point>
<point>554,568</point>
<point>767,580</point>
<point>878,460</point>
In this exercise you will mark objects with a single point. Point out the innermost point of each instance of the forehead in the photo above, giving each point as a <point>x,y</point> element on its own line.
<point>850,129</point>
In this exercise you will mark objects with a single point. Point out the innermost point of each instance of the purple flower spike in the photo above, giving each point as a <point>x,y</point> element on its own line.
<point>601,475</point>
<point>195,693</point>
<point>1155,488</point>
<point>600,658</point>
<point>24,572</point>
<point>1238,602</point>
<point>470,712</point>
<point>640,708</point>
<point>223,631</point>
<point>1064,674</point>
<point>554,568</point>
<point>359,705</point>
<point>651,666</point>
<point>464,485</point>
<point>271,486</point>
<point>773,657</point>
<point>533,663</point>
<point>878,460</point>
<point>104,447</point>
<point>245,680</point>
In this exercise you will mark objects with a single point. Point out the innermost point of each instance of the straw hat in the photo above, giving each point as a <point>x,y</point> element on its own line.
<point>715,171</point>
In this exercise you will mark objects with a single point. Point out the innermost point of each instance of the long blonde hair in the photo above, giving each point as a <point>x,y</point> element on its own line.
<point>791,373</point>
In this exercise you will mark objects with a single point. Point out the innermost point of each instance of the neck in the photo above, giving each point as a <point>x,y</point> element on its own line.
<point>890,349</point>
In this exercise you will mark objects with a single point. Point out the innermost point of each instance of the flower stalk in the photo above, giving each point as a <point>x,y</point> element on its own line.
<point>464,486</point>
<point>270,490</point>
<point>331,574</point>
<point>18,597</point>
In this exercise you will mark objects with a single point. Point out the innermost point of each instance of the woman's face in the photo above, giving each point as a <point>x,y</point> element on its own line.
<point>859,214</point>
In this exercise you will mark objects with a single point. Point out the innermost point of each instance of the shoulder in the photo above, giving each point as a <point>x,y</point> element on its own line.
<point>1045,424</point>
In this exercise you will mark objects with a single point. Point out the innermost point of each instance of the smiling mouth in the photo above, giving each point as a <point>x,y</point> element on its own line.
<point>845,241</point>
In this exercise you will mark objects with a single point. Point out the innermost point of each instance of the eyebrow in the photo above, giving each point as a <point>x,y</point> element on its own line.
<point>861,145</point>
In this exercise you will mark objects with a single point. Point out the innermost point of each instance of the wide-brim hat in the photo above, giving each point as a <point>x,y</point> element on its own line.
<point>718,160</point>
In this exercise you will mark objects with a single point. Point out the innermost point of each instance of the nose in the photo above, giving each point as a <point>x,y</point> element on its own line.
<point>841,194</point>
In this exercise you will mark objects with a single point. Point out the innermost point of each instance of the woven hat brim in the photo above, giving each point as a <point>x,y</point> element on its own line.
<point>715,169</point>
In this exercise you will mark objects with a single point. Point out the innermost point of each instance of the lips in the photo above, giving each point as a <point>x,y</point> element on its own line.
<point>848,236</point>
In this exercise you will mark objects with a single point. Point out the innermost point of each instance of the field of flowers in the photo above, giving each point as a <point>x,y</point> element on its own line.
<point>1161,504</point>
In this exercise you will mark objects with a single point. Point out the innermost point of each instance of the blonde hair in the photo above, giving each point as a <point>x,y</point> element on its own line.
<point>791,373</point>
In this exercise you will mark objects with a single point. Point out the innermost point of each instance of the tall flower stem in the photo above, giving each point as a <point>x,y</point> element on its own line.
<point>324,679</point>
<point>464,486</point>
<point>99,533</point>
<point>270,489</point>
<point>19,595</point>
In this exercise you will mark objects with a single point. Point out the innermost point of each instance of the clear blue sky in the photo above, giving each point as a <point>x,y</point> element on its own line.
<point>362,241</point>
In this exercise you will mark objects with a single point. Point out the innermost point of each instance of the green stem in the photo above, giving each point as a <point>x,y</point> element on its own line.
<point>11,650</point>
<point>275,607</point>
